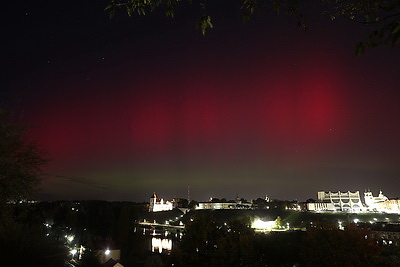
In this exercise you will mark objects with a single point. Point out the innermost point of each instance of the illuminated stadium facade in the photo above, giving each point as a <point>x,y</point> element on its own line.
<point>351,202</point>
<point>342,201</point>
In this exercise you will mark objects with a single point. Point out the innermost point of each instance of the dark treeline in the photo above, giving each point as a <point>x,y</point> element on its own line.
<point>211,237</point>
<point>38,231</point>
<point>208,242</point>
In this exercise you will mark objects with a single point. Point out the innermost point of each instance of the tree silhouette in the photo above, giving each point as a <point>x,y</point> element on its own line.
<point>326,245</point>
<point>384,15</point>
<point>24,241</point>
<point>20,162</point>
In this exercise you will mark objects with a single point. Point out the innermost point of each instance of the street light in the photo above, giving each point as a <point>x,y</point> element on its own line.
<point>73,252</point>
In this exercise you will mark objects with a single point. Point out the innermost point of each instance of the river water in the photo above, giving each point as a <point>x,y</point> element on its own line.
<point>160,240</point>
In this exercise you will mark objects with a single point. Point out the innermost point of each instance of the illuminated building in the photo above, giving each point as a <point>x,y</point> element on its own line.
<point>238,204</point>
<point>259,224</point>
<point>374,203</point>
<point>381,203</point>
<point>320,206</point>
<point>388,206</point>
<point>351,202</point>
<point>159,204</point>
<point>337,201</point>
<point>342,201</point>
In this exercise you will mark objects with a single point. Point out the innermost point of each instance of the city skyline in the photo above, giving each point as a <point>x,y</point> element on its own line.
<point>126,107</point>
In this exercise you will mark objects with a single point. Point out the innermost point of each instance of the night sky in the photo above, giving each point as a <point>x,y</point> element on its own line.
<point>132,106</point>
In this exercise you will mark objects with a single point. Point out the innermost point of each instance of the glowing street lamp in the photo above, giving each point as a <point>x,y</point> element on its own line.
<point>70,238</point>
<point>73,252</point>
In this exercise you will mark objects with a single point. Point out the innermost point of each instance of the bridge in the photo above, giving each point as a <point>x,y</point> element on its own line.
<point>161,225</point>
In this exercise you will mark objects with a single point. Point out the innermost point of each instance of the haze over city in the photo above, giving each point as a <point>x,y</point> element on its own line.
<point>132,106</point>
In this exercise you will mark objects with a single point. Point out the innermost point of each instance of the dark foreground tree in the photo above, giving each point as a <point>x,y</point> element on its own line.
<point>24,240</point>
<point>199,244</point>
<point>20,162</point>
<point>26,245</point>
<point>384,15</point>
<point>89,259</point>
<point>326,245</point>
<point>209,243</point>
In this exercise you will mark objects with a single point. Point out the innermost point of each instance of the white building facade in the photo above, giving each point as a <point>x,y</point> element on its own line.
<point>236,205</point>
<point>342,201</point>
<point>321,207</point>
<point>157,204</point>
<point>374,203</point>
<point>351,202</point>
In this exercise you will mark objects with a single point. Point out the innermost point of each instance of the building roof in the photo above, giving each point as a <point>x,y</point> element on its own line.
<point>111,263</point>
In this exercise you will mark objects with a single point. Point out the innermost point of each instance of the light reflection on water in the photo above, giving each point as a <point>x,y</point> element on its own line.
<point>161,240</point>
<point>161,244</point>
